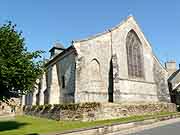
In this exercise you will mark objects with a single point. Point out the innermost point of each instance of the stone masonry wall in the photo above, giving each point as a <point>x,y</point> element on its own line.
<point>160,78</point>
<point>66,69</point>
<point>96,111</point>
<point>92,69</point>
<point>57,85</point>
<point>125,88</point>
<point>61,79</point>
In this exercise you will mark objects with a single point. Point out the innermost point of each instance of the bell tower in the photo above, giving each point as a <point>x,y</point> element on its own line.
<point>171,67</point>
<point>56,49</point>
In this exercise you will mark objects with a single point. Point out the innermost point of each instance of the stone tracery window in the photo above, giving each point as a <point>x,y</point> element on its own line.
<point>134,55</point>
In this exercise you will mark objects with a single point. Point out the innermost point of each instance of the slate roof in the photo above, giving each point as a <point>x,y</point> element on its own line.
<point>57,46</point>
<point>177,87</point>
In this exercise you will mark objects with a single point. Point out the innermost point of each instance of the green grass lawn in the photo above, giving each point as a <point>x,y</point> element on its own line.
<point>28,125</point>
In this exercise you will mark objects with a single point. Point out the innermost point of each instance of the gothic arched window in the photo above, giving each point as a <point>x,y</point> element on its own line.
<point>134,55</point>
<point>95,70</point>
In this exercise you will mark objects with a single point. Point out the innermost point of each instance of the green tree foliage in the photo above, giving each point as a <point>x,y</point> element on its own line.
<point>19,68</point>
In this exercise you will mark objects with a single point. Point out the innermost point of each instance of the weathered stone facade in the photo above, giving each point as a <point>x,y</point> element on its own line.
<point>103,69</point>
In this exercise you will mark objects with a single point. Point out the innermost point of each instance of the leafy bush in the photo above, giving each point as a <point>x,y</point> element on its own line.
<point>58,107</point>
<point>47,107</point>
<point>71,107</point>
<point>178,108</point>
<point>92,105</point>
<point>27,108</point>
<point>39,108</point>
<point>34,107</point>
<point>24,107</point>
<point>74,107</point>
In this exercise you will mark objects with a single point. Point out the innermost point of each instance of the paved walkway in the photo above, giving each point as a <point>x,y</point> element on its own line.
<point>168,127</point>
<point>172,129</point>
<point>7,117</point>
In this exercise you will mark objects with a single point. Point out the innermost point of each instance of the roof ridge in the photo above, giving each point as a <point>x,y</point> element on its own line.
<point>106,31</point>
<point>174,74</point>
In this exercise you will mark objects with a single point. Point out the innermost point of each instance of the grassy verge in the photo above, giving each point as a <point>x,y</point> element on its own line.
<point>28,125</point>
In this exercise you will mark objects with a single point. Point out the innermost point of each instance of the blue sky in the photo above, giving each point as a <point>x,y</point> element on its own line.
<point>44,22</point>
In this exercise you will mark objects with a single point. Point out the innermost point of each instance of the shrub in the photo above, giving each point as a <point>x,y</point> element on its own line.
<point>92,105</point>
<point>39,108</point>
<point>47,107</point>
<point>71,107</point>
<point>178,108</point>
<point>27,108</point>
<point>33,107</point>
<point>58,107</point>
<point>24,107</point>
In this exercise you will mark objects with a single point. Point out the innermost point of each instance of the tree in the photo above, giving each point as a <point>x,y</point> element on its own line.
<point>19,68</point>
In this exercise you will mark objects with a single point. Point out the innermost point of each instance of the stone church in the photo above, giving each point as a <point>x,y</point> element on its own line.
<point>117,66</point>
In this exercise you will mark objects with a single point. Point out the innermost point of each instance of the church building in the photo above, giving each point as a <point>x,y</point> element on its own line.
<point>117,66</point>
<point>174,81</point>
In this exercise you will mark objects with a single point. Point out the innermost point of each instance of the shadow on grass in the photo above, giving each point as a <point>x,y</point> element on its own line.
<point>10,125</point>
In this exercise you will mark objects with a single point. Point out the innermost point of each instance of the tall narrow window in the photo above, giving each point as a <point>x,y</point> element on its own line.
<point>46,96</point>
<point>37,98</point>
<point>134,55</point>
<point>63,81</point>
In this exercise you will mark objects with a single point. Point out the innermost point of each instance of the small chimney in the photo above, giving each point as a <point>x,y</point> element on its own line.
<point>56,49</point>
<point>171,66</point>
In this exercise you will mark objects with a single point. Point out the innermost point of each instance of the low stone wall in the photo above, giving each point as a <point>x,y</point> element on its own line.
<point>63,112</point>
<point>111,111</point>
<point>9,107</point>
<point>97,111</point>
